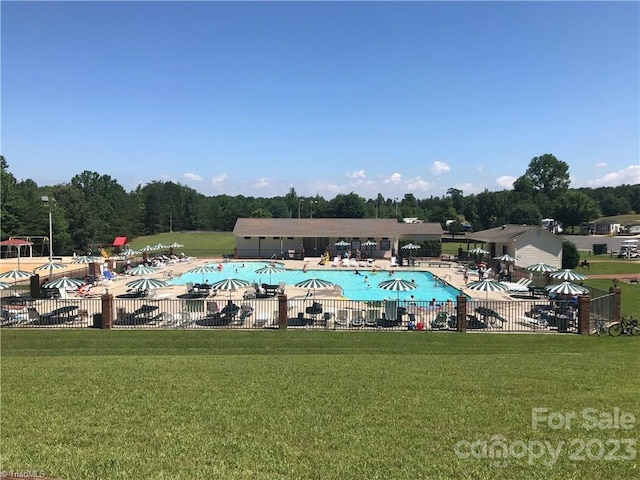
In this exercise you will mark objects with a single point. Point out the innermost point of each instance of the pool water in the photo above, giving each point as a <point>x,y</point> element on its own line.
<point>354,287</point>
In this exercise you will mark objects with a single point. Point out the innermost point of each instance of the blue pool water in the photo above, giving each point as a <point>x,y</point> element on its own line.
<point>354,286</point>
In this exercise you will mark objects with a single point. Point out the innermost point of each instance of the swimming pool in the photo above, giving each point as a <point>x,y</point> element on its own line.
<point>354,287</point>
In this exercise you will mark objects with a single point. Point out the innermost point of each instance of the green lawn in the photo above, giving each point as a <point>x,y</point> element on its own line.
<point>194,242</point>
<point>308,405</point>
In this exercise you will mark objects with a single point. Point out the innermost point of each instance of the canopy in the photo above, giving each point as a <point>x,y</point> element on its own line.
<point>120,241</point>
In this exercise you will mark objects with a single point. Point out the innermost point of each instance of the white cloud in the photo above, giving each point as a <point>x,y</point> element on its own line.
<point>440,167</point>
<point>192,176</point>
<point>262,183</point>
<point>629,175</point>
<point>600,164</point>
<point>358,174</point>
<point>505,181</point>
<point>416,184</point>
<point>480,168</point>
<point>395,178</point>
<point>218,180</point>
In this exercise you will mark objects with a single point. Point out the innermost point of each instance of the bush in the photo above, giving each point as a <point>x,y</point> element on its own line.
<point>570,255</point>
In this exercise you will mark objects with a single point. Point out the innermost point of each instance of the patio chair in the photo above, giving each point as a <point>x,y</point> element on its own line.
<point>357,318</point>
<point>342,318</point>
<point>372,318</point>
<point>394,262</point>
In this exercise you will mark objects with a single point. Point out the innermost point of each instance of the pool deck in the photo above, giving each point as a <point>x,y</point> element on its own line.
<point>447,271</point>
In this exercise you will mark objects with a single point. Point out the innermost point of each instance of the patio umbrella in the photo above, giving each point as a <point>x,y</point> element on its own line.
<point>342,243</point>
<point>128,252</point>
<point>176,245</point>
<point>146,283</point>
<point>230,284</point>
<point>16,274</point>
<point>369,244</point>
<point>4,285</point>
<point>567,275</point>
<point>479,251</point>
<point>203,269</point>
<point>85,259</point>
<point>50,266</point>
<point>270,269</point>
<point>505,258</point>
<point>398,285</point>
<point>147,249</point>
<point>64,282</point>
<point>412,247</point>
<point>315,283</point>
<point>487,286</point>
<point>541,267</point>
<point>566,288</point>
<point>160,246</point>
<point>141,270</point>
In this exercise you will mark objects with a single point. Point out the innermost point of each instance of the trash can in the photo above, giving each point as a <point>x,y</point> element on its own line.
<point>97,320</point>
<point>563,324</point>
<point>599,248</point>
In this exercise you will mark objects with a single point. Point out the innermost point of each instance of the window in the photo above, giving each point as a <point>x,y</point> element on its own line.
<point>385,245</point>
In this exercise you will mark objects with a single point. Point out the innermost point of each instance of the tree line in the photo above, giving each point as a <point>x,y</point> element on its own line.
<point>93,208</point>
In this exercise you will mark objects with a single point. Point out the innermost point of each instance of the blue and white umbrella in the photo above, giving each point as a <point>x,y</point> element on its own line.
<point>147,249</point>
<point>541,267</point>
<point>230,284</point>
<point>487,286</point>
<point>505,258</point>
<point>269,270</point>
<point>397,285</point>
<point>51,266</point>
<point>85,259</point>
<point>141,270</point>
<point>479,251</point>
<point>203,269</point>
<point>4,285</point>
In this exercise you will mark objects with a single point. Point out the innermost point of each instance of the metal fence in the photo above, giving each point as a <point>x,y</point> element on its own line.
<point>535,315</point>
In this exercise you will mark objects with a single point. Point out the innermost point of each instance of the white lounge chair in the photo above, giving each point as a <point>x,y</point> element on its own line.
<point>394,262</point>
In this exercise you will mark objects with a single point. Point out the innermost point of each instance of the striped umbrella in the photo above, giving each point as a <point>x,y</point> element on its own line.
<point>230,284</point>
<point>146,284</point>
<point>147,249</point>
<point>64,282</point>
<point>203,269</point>
<point>505,258</point>
<point>487,286</point>
<point>567,275</point>
<point>315,283</point>
<point>176,245</point>
<point>342,243</point>
<point>4,285</point>
<point>478,251</point>
<point>51,266</point>
<point>85,259</point>
<point>141,270</point>
<point>541,267</point>
<point>567,288</point>
<point>160,246</point>
<point>270,269</point>
<point>16,274</point>
<point>398,285</point>
<point>128,252</point>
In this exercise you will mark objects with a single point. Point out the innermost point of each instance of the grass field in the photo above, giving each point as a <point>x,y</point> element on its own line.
<point>312,405</point>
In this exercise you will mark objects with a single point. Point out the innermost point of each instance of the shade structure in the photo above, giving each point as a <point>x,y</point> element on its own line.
<point>16,274</point>
<point>128,252</point>
<point>64,282</point>
<point>479,251</point>
<point>85,259</point>
<point>566,288</point>
<point>230,284</point>
<point>541,267</point>
<point>397,285</point>
<point>176,245</point>
<point>487,286</point>
<point>51,266</point>
<point>411,246</point>
<point>370,243</point>
<point>146,283</point>
<point>141,270</point>
<point>315,283</point>
<point>160,246</point>
<point>567,275</point>
<point>269,270</point>
<point>505,258</point>
<point>147,249</point>
<point>342,243</point>
<point>203,269</point>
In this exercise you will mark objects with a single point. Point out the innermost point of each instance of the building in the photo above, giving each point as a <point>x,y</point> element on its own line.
<point>607,228</point>
<point>311,237</point>
<point>529,244</point>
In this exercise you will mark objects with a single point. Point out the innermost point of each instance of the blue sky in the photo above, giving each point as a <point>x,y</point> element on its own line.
<point>254,98</point>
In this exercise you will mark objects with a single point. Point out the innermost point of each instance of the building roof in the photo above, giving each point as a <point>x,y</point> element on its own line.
<point>505,233</point>
<point>120,241</point>
<point>15,242</point>
<point>330,227</point>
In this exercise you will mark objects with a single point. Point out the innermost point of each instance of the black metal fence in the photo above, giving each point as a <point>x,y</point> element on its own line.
<point>535,315</point>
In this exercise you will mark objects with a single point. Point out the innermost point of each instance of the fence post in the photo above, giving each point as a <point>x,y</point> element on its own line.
<point>107,311</point>
<point>584,314</point>
<point>461,313</point>
<point>617,299</point>
<point>282,311</point>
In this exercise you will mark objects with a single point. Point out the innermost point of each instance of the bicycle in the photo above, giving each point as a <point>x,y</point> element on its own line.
<point>627,326</point>
<point>599,326</point>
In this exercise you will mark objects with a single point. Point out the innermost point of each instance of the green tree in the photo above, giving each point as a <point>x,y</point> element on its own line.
<point>573,208</point>
<point>547,174</point>
<point>525,214</point>
<point>570,255</point>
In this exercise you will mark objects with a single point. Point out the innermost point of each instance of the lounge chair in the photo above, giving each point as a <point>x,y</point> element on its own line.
<point>357,318</point>
<point>394,262</point>
<point>490,317</point>
<point>372,317</point>
<point>342,318</point>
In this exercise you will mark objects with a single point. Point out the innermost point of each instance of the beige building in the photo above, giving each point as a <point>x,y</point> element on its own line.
<point>311,237</point>
<point>529,244</point>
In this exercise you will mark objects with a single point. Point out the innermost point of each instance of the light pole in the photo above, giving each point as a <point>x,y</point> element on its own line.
<point>299,203</point>
<point>395,202</point>
<point>311,207</point>
<point>45,199</point>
